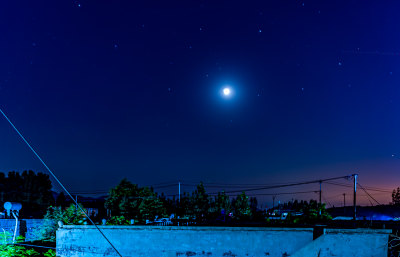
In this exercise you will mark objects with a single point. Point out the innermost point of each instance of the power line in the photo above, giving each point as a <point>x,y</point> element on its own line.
<point>165,186</point>
<point>287,185</point>
<point>58,181</point>
<point>367,187</point>
<point>286,193</point>
<point>368,194</point>
<point>327,201</point>
<point>163,183</point>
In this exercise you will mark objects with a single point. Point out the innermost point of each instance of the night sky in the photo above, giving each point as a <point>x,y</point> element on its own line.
<point>112,89</point>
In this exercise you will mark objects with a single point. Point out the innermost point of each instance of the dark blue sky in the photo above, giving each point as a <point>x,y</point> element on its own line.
<point>112,89</point>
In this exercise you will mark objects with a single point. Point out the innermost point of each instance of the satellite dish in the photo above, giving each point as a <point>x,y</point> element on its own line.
<point>16,206</point>
<point>7,206</point>
<point>12,206</point>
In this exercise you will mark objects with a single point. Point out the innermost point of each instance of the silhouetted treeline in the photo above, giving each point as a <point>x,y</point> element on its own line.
<point>31,189</point>
<point>142,203</point>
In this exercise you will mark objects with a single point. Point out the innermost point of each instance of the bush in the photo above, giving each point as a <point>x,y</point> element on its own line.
<point>69,216</point>
<point>118,220</point>
<point>8,249</point>
<point>50,253</point>
<point>16,251</point>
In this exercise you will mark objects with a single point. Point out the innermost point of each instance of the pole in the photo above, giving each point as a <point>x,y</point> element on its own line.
<point>179,190</point>
<point>320,192</point>
<point>355,197</point>
<point>344,199</point>
<point>320,197</point>
<point>344,203</point>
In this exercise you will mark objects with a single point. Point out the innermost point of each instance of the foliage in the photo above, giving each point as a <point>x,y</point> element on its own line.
<point>253,204</point>
<point>117,220</point>
<point>396,196</point>
<point>313,212</point>
<point>200,202</point>
<point>61,200</point>
<point>7,238</point>
<point>133,202</point>
<point>223,203</point>
<point>185,206</point>
<point>242,207</point>
<point>31,189</point>
<point>128,201</point>
<point>17,251</point>
<point>69,216</point>
<point>50,253</point>
<point>9,249</point>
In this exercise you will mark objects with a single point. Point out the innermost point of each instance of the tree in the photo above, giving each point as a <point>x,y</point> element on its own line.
<point>150,205</point>
<point>200,201</point>
<point>31,189</point>
<point>242,207</point>
<point>253,204</point>
<point>61,200</point>
<point>132,202</point>
<point>118,200</point>
<point>223,203</point>
<point>313,212</point>
<point>396,196</point>
<point>185,209</point>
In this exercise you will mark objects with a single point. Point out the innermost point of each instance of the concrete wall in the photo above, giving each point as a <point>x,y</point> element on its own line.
<point>26,227</point>
<point>148,241</point>
<point>349,243</point>
<point>157,241</point>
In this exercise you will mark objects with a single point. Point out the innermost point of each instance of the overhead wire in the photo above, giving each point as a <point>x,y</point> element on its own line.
<point>367,187</point>
<point>58,181</point>
<point>368,193</point>
<point>287,185</point>
<point>326,201</point>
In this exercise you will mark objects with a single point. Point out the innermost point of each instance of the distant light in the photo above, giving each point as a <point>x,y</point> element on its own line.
<point>227,91</point>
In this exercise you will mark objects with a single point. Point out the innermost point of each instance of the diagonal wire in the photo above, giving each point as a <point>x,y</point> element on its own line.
<point>368,194</point>
<point>326,201</point>
<point>58,181</point>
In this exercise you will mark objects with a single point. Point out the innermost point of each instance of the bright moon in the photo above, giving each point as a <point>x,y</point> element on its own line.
<point>227,91</point>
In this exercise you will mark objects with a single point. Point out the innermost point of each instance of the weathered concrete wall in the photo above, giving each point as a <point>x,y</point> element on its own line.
<point>150,241</point>
<point>157,241</point>
<point>349,243</point>
<point>26,227</point>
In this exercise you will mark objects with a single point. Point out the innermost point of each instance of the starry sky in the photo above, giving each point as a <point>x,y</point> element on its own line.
<point>111,89</point>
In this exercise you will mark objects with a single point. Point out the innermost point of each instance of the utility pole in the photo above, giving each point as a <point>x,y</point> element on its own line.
<point>273,201</point>
<point>179,190</point>
<point>320,197</point>
<point>344,199</point>
<point>355,197</point>
<point>344,203</point>
<point>320,192</point>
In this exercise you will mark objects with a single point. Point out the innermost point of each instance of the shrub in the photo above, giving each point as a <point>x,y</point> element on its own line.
<point>69,216</point>
<point>118,220</point>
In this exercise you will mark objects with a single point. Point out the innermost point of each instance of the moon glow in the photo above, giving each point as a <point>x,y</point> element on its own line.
<point>227,91</point>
